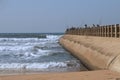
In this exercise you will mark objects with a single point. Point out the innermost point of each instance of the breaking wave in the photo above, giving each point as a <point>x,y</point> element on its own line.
<point>35,54</point>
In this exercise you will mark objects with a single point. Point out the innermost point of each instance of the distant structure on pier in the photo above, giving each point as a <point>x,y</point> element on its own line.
<point>96,30</point>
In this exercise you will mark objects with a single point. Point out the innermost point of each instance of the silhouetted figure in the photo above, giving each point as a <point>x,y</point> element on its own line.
<point>93,25</point>
<point>67,29</point>
<point>73,28</point>
<point>85,25</point>
<point>98,25</point>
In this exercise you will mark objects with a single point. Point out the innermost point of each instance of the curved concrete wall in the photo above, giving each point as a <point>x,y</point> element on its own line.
<point>94,52</point>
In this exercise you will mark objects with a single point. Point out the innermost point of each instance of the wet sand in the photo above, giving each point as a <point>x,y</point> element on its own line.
<point>86,75</point>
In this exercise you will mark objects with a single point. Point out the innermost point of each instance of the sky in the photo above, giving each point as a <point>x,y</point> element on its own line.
<point>17,16</point>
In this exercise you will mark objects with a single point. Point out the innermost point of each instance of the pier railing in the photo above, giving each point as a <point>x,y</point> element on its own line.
<point>102,31</point>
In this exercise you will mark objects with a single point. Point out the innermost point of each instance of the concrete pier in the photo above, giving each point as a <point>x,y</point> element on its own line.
<point>97,47</point>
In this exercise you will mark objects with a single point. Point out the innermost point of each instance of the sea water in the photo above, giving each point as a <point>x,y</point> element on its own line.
<point>25,55</point>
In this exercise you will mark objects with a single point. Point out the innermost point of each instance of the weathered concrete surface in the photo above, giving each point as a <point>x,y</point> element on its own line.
<point>95,52</point>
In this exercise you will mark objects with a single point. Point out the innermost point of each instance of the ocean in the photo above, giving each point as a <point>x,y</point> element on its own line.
<point>32,54</point>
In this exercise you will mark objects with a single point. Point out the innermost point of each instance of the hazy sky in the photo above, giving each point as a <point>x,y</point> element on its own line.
<point>55,15</point>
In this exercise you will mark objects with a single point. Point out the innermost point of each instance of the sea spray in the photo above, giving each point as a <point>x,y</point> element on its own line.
<point>35,54</point>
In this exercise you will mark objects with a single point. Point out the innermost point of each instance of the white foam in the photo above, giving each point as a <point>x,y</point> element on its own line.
<point>28,55</point>
<point>32,65</point>
<point>14,48</point>
<point>29,49</point>
<point>53,37</point>
<point>49,37</point>
<point>18,39</point>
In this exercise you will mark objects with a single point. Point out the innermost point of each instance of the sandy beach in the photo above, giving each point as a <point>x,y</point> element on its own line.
<point>86,75</point>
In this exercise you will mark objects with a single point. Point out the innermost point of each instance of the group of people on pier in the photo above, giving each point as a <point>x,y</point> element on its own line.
<point>96,30</point>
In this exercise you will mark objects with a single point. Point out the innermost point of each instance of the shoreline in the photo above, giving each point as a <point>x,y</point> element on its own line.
<point>85,75</point>
<point>49,71</point>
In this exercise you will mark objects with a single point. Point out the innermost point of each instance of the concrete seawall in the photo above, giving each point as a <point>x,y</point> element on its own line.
<point>95,52</point>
